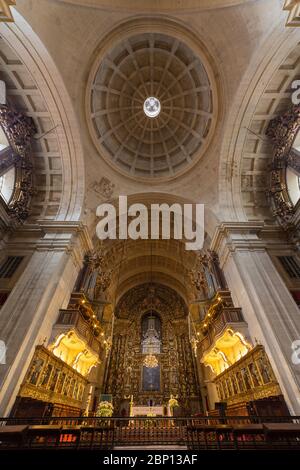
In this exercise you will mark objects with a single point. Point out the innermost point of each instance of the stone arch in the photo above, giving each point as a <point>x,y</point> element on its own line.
<point>246,152</point>
<point>167,260</point>
<point>36,86</point>
<point>147,198</point>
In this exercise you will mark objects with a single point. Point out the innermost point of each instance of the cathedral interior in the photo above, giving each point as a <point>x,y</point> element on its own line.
<point>168,103</point>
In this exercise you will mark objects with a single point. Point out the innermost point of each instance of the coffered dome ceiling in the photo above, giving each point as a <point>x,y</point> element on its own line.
<point>144,138</point>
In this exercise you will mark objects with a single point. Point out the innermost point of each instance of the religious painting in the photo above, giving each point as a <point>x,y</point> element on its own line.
<point>151,379</point>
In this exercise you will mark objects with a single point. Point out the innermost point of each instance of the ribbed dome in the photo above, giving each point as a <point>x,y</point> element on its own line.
<point>164,68</point>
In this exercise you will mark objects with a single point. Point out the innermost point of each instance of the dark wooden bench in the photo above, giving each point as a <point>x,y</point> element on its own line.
<point>12,436</point>
<point>282,435</point>
<point>43,435</point>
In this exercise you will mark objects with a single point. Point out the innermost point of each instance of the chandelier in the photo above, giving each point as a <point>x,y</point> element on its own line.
<point>150,361</point>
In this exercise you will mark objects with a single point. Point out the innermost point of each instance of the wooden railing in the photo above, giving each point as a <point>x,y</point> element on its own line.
<point>191,433</point>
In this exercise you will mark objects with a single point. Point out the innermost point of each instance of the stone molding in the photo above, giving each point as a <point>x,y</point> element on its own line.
<point>71,237</point>
<point>247,236</point>
<point>156,5</point>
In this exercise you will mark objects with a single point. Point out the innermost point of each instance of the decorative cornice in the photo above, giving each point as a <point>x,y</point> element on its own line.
<point>69,237</point>
<point>293,7</point>
<point>248,236</point>
<point>5,12</point>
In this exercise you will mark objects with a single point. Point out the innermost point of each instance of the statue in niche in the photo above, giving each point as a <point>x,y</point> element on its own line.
<point>198,277</point>
<point>128,376</point>
<point>151,342</point>
<point>35,371</point>
<point>254,374</point>
<point>264,367</point>
<point>245,375</point>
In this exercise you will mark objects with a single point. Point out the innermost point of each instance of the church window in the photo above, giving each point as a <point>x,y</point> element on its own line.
<point>9,266</point>
<point>291,266</point>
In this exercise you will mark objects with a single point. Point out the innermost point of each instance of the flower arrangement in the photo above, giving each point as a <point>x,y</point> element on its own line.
<point>173,402</point>
<point>105,409</point>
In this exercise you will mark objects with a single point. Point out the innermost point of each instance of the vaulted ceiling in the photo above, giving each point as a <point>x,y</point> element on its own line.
<point>140,67</point>
<point>24,95</point>
<point>221,70</point>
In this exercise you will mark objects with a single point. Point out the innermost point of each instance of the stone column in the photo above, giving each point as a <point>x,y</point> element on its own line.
<point>268,307</point>
<point>27,317</point>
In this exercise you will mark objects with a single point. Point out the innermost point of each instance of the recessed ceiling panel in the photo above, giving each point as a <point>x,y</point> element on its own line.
<point>150,106</point>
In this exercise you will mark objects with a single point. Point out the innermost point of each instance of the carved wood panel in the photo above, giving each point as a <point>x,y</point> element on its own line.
<point>177,373</point>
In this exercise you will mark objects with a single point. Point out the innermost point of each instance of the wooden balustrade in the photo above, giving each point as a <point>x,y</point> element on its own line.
<point>51,380</point>
<point>192,433</point>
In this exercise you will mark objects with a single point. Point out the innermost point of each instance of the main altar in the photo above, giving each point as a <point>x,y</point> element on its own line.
<point>147,411</point>
<point>151,357</point>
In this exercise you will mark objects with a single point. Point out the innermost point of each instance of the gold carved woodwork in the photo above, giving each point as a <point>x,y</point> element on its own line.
<point>80,321</point>
<point>282,131</point>
<point>218,303</point>
<point>72,320</point>
<point>5,12</point>
<point>220,318</point>
<point>19,131</point>
<point>207,277</point>
<point>51,380</point>
<point>177,372</point>
<point>250,378</point>
<point>96,275</point>
<point>293,7</point>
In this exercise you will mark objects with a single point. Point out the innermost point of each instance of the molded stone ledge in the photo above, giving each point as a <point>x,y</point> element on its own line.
<point>71,237</point>
<point>154,5</point>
